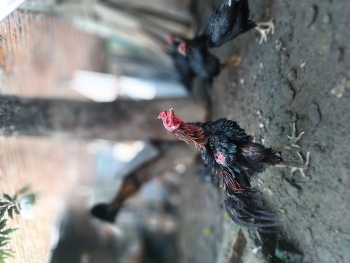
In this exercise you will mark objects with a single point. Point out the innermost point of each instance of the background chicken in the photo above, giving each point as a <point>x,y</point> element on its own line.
<point>233,155</point>
<point>181,62</point>
<point>197,61</point>
<point>228,20</point>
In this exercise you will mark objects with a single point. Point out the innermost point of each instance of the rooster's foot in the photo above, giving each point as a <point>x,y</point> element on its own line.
<point>293,140</point>
<point>297,167</point>
<point>264,29</point>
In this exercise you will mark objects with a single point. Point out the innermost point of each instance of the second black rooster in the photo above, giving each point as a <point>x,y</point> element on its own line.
<point>198,61</point>
<point>229,19</point>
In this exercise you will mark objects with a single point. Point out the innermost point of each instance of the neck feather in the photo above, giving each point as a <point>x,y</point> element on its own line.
<point>191,133</point>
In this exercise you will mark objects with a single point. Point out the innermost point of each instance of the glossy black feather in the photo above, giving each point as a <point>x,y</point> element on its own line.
<point>241,207</point>
<point>240,159</point>
<point>229,19</point>
<point>198,61</point>
<point>242,210</point>
<point>203,63</point>
<point>231,151</point>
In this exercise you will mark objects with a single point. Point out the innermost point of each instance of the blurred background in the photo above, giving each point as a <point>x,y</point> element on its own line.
<point>57,60</point>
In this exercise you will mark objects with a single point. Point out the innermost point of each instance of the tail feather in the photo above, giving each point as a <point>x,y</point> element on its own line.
<point>257,157</point>
<point>243,212</point>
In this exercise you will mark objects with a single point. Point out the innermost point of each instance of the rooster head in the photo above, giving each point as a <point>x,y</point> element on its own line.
<point>170,121</point>
<point>183,48</point>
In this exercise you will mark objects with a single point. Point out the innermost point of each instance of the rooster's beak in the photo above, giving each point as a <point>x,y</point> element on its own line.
<point>171,112</point>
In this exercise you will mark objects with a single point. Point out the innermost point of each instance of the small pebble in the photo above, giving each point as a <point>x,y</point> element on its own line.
<point>287,91</point>
<point>278,45</point>
<point>327,19</point>
<point>339,90</point>
<point>278,130</point>
<point>314,113</point>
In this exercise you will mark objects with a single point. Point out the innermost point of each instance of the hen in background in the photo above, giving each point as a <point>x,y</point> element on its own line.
<point>198,61</point>
<point>181,63</point>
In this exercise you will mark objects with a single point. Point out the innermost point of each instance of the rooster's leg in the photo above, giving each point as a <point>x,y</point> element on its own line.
<point>264,28</point>
<point>293,141</point>
<point>296,166</point>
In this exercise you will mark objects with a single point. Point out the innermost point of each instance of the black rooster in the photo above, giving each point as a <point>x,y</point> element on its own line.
<point>228,20</point>
<point>235,158</point>
<point>198,61</point>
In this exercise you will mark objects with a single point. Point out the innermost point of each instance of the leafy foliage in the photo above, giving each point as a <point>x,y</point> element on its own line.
<point>11,205</point>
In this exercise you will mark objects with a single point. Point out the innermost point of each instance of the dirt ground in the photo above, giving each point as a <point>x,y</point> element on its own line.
<point>300,74</point>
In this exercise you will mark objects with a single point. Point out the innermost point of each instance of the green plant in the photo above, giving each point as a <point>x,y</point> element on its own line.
<point>12,205</point>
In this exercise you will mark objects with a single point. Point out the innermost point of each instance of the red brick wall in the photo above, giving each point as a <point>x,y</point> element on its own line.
<point>38,54</point>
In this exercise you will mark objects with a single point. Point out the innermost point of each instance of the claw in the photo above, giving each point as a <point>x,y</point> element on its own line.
<point>301,168</point>
<point>296,166</point>
<point>264,29</point>
<point>294,139</point>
